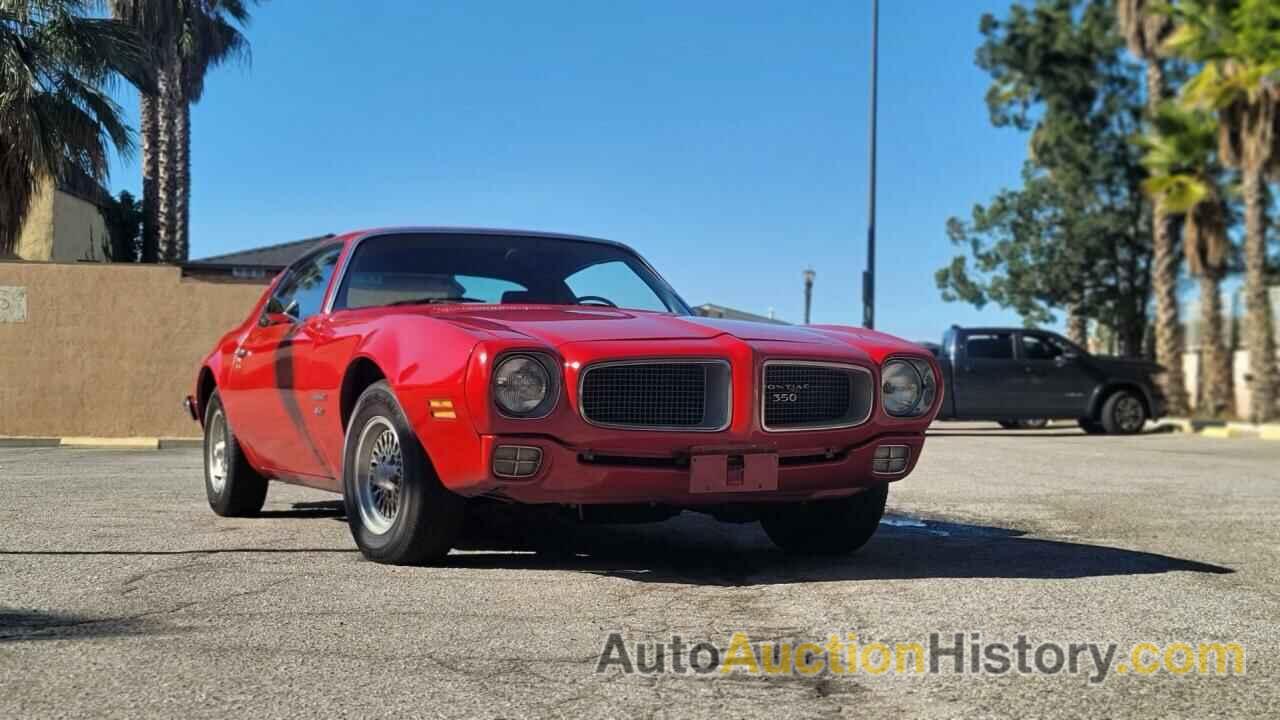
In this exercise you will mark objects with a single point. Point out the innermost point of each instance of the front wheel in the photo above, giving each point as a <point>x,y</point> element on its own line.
<point>826,527</point>
<point>398,510</point>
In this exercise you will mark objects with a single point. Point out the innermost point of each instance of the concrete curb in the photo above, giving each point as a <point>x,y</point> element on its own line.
<point>25,442</point>
<point>133,443</point>
<point>129,443</point>
<point>1223,429</point>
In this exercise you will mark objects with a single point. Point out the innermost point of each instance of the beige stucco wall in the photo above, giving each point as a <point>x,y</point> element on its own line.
<point>61,228</point>
<point>108,350</point>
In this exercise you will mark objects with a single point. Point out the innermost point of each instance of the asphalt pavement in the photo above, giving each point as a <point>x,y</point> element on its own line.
<point>122,595</point>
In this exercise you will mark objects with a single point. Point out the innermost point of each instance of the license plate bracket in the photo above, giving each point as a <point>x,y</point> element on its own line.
<point>730,472</point>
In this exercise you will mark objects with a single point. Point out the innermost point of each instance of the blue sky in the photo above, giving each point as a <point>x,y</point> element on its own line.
<point>724,140</point>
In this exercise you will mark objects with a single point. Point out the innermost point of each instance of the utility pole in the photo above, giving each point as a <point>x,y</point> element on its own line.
<point>808,293</point>
<point>869,275</point>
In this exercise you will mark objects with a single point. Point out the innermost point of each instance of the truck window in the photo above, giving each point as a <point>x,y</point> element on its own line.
<point>1040,348</point>
<point>989,346</point>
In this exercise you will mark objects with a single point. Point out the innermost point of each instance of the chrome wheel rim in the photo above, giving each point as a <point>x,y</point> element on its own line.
<point>217,452</point>
<point>379,468</point>
<point>1129,413</point>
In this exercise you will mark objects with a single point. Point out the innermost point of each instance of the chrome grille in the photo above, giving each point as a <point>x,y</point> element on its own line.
<point>656,395</point>
<point>798,396</point>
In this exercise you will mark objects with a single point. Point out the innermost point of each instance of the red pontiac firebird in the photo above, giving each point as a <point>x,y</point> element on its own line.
<point>415,370</point>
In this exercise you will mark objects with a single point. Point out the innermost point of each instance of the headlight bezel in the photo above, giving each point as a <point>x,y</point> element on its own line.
<point>549,365</point>
<point>928,386</point>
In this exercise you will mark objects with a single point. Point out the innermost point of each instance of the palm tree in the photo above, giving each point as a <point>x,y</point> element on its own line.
<point>1235,43</point>
<point>211,39</point>
<point>1186,180</point>
<point>56,119</point>
<point>188,38</point>
<point>1144,30</point>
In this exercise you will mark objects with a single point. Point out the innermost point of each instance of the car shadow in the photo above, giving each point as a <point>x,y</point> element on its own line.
<point>308,510</point>
<point>1010,433</point>
<point>697,550</point>
<point>19,625</point>
<point>1053,430</point>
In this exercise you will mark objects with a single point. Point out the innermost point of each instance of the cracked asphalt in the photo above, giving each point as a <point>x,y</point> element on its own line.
<point>122,595</point>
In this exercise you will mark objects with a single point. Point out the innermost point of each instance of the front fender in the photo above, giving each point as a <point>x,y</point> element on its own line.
<point>426,361</point>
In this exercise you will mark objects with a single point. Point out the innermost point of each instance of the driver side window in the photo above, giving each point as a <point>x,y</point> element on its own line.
<point>615,282</point>
<point>301,293</point>
<point>1035,347</point>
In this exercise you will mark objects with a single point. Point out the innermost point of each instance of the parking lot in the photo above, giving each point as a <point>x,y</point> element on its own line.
<point>122,595</point>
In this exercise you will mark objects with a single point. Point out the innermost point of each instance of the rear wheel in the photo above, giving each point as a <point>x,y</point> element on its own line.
<point>1028,424</point>
<point>398,511</point>
<point>233,487</point>
<point>826,527</point>
<point>1123,413</point>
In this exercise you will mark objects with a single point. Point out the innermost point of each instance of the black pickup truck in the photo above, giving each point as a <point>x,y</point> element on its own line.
<point>1022,378</point>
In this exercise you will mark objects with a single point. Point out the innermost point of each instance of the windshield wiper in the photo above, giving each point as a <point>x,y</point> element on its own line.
<point>435,301</point>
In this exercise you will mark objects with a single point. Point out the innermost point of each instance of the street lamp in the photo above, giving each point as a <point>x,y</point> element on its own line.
<point>869,275</point>
<point>808,293</point>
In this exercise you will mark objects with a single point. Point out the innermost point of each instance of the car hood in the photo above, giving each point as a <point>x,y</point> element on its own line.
<point>560,325</point>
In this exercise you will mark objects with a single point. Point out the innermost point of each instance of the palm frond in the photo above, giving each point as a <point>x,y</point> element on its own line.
<point>57,120</point>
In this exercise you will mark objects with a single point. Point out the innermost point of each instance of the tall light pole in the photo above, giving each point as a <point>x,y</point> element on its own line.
<point>808,293</point>
<point>869,275</point>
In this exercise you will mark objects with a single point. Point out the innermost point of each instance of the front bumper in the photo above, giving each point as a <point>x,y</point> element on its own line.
<point>693,475</point>
<point>583,464</point>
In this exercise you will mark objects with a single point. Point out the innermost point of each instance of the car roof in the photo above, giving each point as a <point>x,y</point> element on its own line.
<point>1002,329</point>
<point>464,230</point>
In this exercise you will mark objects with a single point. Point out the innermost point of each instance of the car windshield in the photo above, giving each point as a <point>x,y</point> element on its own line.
<point>501,269</point>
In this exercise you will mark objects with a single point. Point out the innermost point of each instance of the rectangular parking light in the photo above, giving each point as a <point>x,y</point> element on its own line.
<point>890,459</point>
<point>516,461</point>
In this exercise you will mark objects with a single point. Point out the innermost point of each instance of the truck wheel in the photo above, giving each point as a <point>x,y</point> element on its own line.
<point>1123,413</point>
<point>398,511</point>
<point>233,487</point>
<point>1091,427</point>
<point>826,527</point>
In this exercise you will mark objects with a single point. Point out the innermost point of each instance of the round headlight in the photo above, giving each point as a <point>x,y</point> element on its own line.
<point>901,388</point>
<point>520,385</point>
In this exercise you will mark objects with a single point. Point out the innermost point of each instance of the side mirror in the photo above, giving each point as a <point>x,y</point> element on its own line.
<point>1066,358</point>
<point>276,318</point>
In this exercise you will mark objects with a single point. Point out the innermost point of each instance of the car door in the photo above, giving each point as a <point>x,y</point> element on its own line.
<point>266,367</point>
<point>1057,379</point>
<point>987,380</point>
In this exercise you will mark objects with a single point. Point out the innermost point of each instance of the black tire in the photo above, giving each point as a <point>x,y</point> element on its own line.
<point>1008,424</point>
<point>241,491</point>
<point>1123,413</point>
<point>426,519</point>
<point>1091,427</point>
<point>826,527</point>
